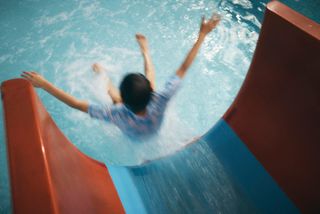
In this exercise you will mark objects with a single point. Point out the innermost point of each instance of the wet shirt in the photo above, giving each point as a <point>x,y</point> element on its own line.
<point>134,125</point>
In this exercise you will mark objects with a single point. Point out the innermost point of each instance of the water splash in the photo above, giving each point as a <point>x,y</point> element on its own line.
<point>63,42</point>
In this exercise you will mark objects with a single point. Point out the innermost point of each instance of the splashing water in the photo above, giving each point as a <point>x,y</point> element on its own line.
<point>62,42</point>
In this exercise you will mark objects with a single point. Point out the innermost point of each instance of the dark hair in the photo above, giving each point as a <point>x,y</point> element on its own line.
<point>135,92</point>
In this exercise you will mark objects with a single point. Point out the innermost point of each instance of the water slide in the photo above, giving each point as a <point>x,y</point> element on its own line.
<point>268,139</point>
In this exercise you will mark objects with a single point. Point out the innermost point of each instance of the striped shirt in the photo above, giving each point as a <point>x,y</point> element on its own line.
<point>133,125</point>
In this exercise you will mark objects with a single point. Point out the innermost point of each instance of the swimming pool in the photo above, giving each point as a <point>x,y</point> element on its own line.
<point>69,37</point>
<point>64,39</point>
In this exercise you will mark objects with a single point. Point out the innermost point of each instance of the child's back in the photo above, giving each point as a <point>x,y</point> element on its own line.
<point>135,125</point>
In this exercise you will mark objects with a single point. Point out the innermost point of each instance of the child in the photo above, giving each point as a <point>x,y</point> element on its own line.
<point>138,109</point>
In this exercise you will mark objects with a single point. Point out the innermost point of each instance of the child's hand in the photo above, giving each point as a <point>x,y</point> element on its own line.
<point>208,26</point>
<point>34,78</point>
<point>143,42</point>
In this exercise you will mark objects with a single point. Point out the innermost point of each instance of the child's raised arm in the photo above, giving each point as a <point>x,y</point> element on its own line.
<point>40,82</point>
<point>206,27</point>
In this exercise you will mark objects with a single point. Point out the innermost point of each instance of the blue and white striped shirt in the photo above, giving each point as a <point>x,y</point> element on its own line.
<point>134,125</point>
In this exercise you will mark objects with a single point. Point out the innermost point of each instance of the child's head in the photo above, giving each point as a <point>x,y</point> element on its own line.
<point>135,92</point>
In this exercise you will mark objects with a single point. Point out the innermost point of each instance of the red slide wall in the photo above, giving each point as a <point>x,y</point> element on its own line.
<point>47,173</point>
<point>277,111</point>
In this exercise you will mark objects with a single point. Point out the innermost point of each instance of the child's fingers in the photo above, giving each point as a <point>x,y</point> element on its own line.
<point>26,74</point>
<point>139,35</point>
<point>215,16</point>
<point>203,18</point>
<point>25,77</point>
<point>32,74</point>
<point>214,22</point>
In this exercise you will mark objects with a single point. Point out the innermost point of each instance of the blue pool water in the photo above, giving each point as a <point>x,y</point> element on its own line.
<point>61,39</point>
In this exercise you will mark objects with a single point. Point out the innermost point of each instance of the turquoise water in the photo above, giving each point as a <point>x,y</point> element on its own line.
<point>61,39</point>
<point>309,8</point>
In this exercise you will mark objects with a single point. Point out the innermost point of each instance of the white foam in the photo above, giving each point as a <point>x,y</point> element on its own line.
<point>244,3</point>
<point>49,20</point>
